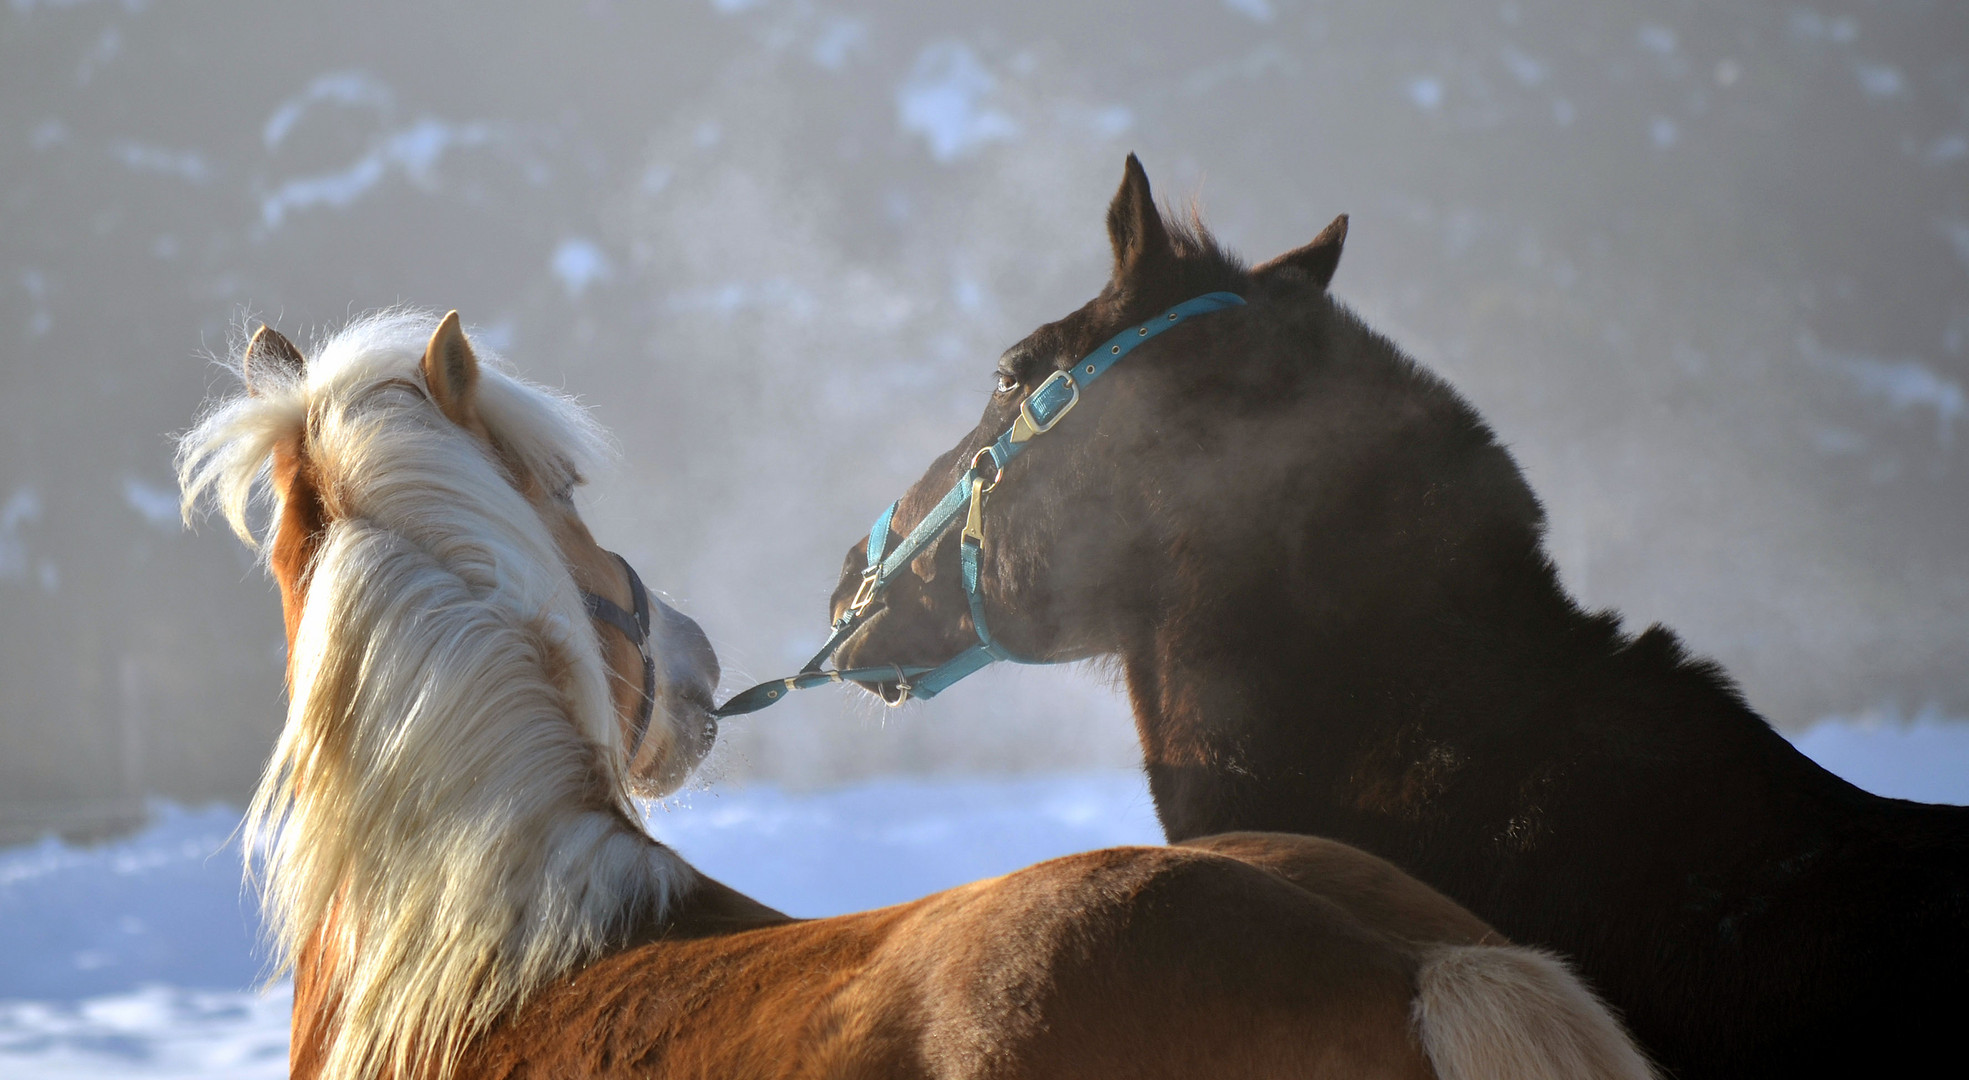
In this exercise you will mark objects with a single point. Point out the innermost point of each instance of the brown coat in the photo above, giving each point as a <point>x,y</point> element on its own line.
<point>1245,955</point>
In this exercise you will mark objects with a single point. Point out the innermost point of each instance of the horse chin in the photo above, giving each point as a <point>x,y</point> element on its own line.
<point>883,642</point>
<point>688,681</point>
<point>693,731</point>
<point>680,737</point>
<point>889,690</point>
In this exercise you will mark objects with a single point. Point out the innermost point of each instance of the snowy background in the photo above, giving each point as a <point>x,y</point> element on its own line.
<point>1704,265</point>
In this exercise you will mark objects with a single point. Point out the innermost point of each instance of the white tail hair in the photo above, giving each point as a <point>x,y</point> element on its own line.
<point>446,807</point>
<point>1512,1013</point>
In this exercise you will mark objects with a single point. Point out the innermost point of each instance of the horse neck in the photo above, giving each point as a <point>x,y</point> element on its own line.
<point>601,888</point>
<point>443,838</point>
<point>1394,679</point>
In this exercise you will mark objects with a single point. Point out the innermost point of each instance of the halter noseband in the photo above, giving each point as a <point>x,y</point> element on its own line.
<point>1044,407</point>
<point>635,627</point>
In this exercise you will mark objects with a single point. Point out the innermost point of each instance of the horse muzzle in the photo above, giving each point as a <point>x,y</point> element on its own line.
<point>690,681</point>
<point>679,673</point>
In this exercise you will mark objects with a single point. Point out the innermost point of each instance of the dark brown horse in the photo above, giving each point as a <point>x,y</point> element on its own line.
<point>1326,582</point>
<point>458,877</point>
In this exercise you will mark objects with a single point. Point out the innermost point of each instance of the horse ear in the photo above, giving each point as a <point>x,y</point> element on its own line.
<point>1316,260</point>
<point>270,357</point>
<point>1134,225</point>
<point>451,370</point>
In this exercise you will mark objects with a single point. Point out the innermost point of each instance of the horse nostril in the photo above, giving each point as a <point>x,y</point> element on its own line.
<point>700,695</point>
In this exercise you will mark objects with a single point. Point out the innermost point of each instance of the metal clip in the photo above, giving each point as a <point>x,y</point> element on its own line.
<point>974,520</point>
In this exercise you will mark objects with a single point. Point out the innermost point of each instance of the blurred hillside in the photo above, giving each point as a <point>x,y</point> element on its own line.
<point>1704,266</point>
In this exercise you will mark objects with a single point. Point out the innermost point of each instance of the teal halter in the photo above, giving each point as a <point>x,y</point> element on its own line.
<point>1041,409</point>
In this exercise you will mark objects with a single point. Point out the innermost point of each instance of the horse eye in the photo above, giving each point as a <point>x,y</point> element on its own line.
<point>1007,382</point>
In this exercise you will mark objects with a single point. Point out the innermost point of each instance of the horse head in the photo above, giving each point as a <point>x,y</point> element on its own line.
<point>664,722</point>
<point>476,687</point>
<point>1068,524</point>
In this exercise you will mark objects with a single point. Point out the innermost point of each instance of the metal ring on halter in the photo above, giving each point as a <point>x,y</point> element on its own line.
<point>903,687</point>
<point>998,471</point>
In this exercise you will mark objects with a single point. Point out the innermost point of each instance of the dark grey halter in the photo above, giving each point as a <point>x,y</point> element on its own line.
<point>634,626</point>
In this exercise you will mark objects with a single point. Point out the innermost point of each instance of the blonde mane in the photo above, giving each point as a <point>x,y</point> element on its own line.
<point>446,808</point>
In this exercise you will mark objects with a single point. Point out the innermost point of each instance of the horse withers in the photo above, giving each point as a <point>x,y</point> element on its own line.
<point>457,876</point>
<point>1326,583</point>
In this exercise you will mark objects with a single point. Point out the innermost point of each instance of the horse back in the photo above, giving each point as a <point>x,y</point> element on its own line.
<point>1130,961</point>
<point>1761,912</point>
<point>1889,891</point>
<point>1371,889</point>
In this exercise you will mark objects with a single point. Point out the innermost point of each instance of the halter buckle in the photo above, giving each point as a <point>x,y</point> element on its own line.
<point>1029,423</point>
<point>865,594</point>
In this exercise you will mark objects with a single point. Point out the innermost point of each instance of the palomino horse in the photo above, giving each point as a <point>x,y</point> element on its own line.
<point>458,876</point>
<point>1326,582</point>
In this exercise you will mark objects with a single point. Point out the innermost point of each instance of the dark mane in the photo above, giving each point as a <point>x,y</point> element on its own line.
<point>1193,240</point>
<point>1195,264</point>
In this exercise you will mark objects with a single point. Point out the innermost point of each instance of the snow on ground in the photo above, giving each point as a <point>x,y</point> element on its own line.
<point>898,839</point>
<point>136,958</point>
<point>154,1031</point>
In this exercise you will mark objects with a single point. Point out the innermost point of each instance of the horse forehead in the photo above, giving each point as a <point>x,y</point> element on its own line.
<point>1069,331</point>
<point>1083,331</point>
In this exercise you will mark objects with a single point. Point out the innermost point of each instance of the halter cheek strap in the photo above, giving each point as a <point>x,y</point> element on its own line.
<point>636,627</point>
<point>1048,403</point>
